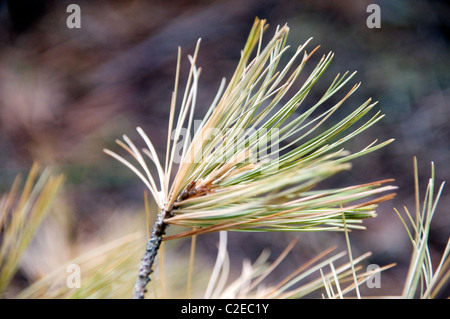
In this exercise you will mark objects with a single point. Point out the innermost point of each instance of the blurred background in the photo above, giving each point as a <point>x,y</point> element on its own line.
<point>65,94</point>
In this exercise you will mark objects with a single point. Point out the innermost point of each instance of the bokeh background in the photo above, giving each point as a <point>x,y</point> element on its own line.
<point>65,94</point>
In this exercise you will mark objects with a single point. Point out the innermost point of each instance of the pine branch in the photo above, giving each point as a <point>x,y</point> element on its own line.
<point>145,270</point>
<point>232,174</point>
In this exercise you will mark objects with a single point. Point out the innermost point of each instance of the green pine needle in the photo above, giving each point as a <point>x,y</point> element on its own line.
<point>254,161</point>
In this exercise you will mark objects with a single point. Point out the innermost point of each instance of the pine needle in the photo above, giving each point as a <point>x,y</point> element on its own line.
<point>255,160</point>
<point>21,215</point>
<point>422,280</point>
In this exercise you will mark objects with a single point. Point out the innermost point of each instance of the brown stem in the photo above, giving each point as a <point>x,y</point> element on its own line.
<point>158,231</point>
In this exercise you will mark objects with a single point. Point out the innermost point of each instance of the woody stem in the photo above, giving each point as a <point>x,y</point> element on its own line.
<point>151,250</point>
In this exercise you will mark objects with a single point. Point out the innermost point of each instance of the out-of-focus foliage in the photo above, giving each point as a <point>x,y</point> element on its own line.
<point>21,213</point>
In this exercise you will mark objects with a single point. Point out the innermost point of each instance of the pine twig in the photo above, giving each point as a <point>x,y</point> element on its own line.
<point>145,269</point>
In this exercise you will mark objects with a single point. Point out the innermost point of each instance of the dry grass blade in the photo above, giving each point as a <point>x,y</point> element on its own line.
<point>107,272</point>
<point>20,216</point>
